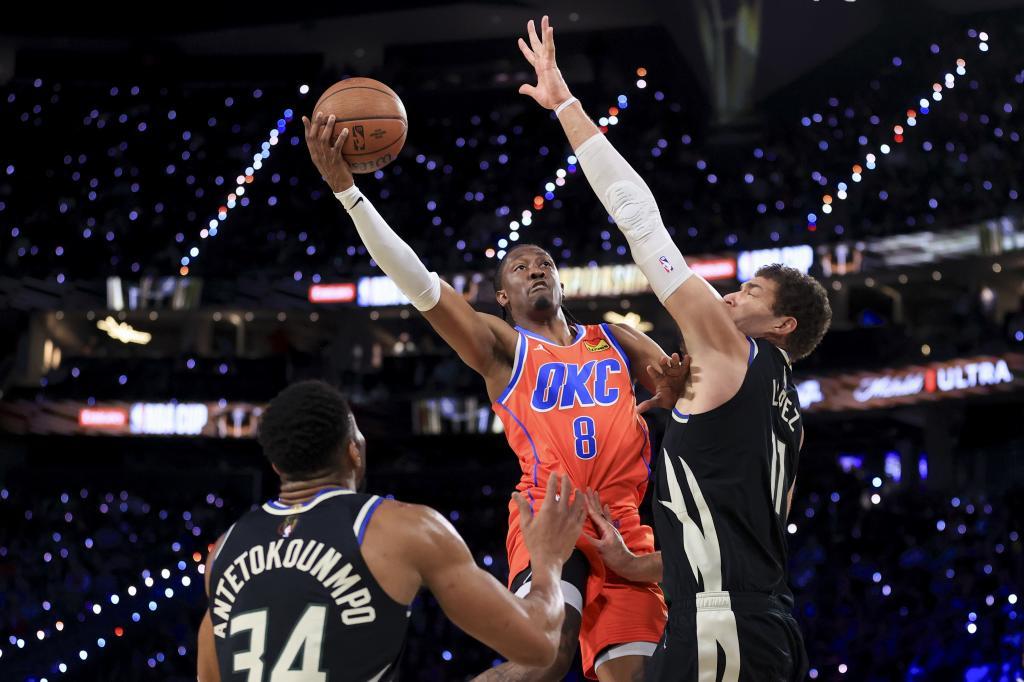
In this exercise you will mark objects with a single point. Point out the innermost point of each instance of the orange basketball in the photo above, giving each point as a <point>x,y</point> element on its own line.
<point>375,117</point>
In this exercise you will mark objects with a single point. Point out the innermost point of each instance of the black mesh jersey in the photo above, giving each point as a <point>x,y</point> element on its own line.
<point>722,483</point>
<point>292,599</point>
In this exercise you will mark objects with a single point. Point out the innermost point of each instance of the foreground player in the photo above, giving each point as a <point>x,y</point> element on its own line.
<point>726,474</point>
<point>317,584</point>
<point>565,396</point>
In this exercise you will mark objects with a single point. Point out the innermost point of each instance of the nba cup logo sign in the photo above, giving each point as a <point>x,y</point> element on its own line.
<point>358,138</point>
<point>665,264</point>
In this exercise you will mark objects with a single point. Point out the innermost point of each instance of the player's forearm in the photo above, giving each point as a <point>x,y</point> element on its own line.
<point>577,125</point>
<point>629,201</point>
<point>544,604</point>
<point>643,568</point>
<point>392,254</point>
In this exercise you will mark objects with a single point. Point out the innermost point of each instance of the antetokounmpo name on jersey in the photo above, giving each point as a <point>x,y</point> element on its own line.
<point>308,556</point>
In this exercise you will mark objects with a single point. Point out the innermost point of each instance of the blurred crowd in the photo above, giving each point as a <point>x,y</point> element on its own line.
<point>159,177</point>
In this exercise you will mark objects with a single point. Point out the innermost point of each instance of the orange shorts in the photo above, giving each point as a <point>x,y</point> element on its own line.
<point>622,612</point>
<point>615,611</point>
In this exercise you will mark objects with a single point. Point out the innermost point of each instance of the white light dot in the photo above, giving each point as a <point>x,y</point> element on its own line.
<point>83,655</point>
<point>876,498</point>
<point>972,628</point>
<point>1012,599</point>
<point>791,528</point>
<point>165,574</point>
<point>96,608</point>
<point>842,668</point>
<point>132,590</point>
<point>643,84</point>
<point>303,89</point>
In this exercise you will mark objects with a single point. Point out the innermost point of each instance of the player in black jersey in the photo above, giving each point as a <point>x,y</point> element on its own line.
<point>317,584</point>
<point>729,457</point>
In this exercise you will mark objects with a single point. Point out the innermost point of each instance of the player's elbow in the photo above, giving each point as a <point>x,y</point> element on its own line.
<point>634,210</point>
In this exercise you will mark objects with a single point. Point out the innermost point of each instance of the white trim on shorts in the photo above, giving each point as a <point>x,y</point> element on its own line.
<point>570,594</point>
<point>628,649</point>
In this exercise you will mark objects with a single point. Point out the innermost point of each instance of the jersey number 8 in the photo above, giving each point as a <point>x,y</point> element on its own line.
<point>586,442</point>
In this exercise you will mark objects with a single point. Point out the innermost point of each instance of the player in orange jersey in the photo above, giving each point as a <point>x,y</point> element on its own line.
<point>564,392</point>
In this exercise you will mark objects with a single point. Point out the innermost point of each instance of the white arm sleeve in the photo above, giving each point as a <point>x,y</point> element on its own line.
<point>394,256</point>
<point>631,204</point>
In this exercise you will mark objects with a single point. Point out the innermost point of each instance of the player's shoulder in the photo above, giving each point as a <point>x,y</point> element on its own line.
<point>408,517</point>
<point>415,529</point>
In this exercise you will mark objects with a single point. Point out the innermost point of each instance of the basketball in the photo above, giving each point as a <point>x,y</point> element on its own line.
<point>375,117</point>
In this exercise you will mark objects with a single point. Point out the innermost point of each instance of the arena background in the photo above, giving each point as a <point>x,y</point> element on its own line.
<point>171,260</point>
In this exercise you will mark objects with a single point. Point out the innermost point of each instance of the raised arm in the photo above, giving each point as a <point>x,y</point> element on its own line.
<point>693,303</point>
<point>484,342</point>
<point>527,630</point>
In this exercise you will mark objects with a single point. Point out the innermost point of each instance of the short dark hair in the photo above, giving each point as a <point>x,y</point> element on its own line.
<point>305,427</point>
<point>801,297</point>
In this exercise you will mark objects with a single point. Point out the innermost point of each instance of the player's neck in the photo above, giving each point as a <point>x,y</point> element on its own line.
<point>299,491</point>
<point>554,328</point>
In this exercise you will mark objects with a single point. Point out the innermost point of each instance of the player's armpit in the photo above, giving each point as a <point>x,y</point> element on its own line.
<point>477,338</point>
<point>476,602</point>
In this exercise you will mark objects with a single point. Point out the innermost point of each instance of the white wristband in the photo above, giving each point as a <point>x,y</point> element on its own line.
<point>565,105</point>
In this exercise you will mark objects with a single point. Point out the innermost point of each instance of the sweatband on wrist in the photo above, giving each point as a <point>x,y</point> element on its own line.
<point>565,105</point>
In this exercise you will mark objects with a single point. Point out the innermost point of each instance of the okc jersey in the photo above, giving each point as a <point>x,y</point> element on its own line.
<point>572,409</point>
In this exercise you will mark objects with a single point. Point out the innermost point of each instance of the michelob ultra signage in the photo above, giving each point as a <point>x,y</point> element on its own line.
<point>908,385</point>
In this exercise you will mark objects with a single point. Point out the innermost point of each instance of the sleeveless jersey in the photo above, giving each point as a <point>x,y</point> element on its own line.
<point>572,409</point>
<point>292,598</point>
<point>721,487</point>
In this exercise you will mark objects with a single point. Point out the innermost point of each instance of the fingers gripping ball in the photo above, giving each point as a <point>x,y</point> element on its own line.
<point>375,117</point>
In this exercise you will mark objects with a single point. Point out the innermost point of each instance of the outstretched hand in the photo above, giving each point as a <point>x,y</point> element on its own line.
<point>669,377</point>
<point>608,541</point>
<point>550,90</point>
<point>325,150</point>
<point>552,532</point>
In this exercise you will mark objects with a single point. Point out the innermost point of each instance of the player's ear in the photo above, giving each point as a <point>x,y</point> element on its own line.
<point>352,455</point>
<point>277,471</point>
<point>787,325</point>
<point>501,297</point>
